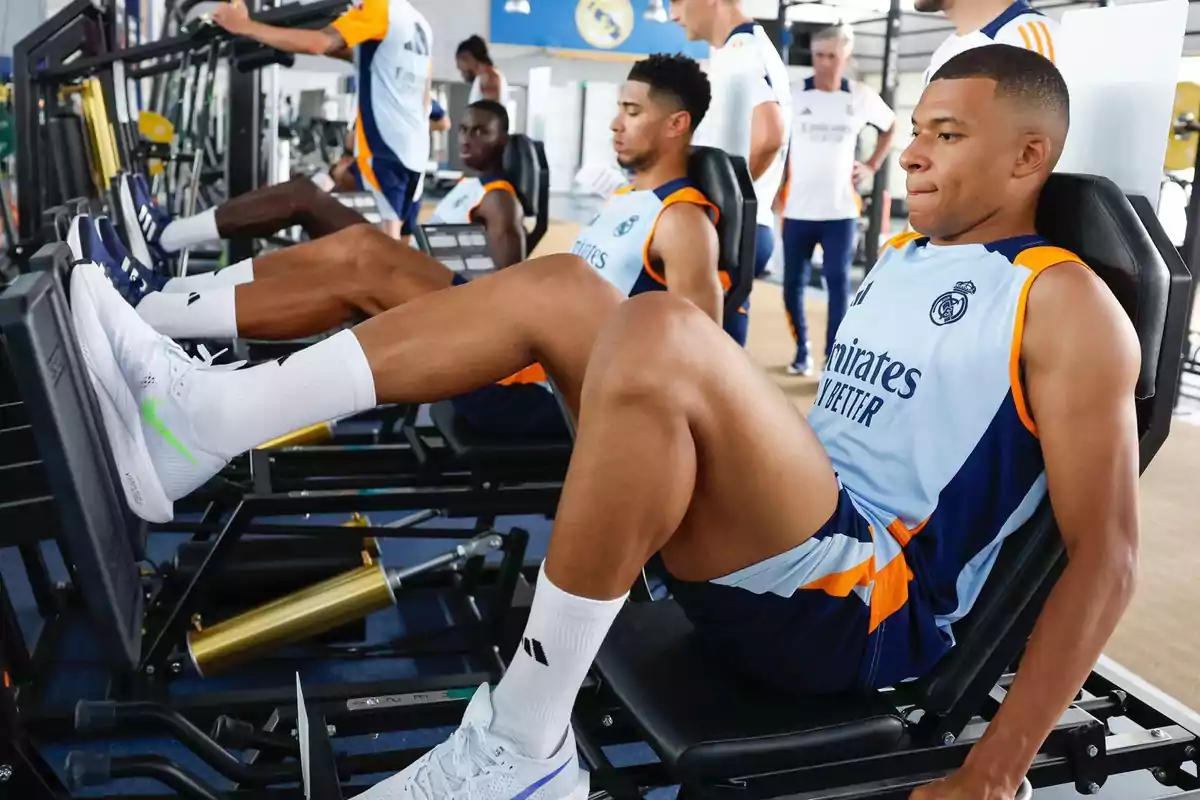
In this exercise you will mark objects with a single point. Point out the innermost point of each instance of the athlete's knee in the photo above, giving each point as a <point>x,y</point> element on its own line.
<point>658,348</point>
<point>566,281</point>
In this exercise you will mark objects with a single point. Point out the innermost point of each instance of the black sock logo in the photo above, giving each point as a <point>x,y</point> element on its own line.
<point>533,649</point>
<point>193,297</point>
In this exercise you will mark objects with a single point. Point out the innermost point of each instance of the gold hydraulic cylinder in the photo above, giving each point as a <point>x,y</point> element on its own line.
<point>316,609</point>
<point>308,612</point>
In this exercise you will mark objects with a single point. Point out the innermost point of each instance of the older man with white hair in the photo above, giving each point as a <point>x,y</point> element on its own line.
<point>820,205</point>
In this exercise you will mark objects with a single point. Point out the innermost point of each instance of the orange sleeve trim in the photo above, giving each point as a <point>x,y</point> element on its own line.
<point>363,154</point>
<point>492,186</point>
<point>684,195</point>
<point>534,373</point>
<point>1037,260</point>
<point>1025,38</point>
<point>901,239</point>
<point>626,189</point>
<point>363,24</point>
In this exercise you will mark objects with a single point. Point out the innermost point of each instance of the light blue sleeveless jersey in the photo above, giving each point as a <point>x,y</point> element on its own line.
<point>617,241</point>
<point>923,415</point>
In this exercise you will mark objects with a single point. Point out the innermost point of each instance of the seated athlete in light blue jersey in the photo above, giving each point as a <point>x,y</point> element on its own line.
<point>978,369</point>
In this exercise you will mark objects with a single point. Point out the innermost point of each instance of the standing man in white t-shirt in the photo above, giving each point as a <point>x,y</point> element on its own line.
<point>750,113</point>
<point>820,205</point>
<point>982,22</point>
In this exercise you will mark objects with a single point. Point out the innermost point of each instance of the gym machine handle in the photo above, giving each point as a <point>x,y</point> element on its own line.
<point>93,716</point>
<point>237,734</point>
<point>98,769</point>
<point>264,57</point>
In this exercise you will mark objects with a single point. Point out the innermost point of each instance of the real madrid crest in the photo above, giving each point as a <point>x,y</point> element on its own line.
<point>604,23</point>
<point>950,306</point>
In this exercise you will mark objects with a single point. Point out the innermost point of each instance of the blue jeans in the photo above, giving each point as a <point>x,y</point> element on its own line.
<point>800,238</point>
<point>737,323</point>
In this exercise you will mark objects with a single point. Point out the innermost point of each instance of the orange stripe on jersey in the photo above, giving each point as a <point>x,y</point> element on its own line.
<point>1037,37</point>
<point>1023,30</point>
<point>1037,260</point>
<point>492,186</point>
<point>901,239</point>
<point>534,373</point>
<point>840,584</point>
<point>890,592</point>
<point>902,533</point>
<point>687,194</point>
<point>363,24</point>
<point>1046,38</point>
<point>364,154</point>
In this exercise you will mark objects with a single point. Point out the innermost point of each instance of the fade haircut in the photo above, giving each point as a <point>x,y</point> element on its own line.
<point>495,109</point>
<point>678,78</point>
<point>1021,75</point>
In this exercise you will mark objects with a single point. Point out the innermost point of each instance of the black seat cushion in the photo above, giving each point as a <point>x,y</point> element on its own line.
<point>706,722</point>
<point>522,169</point>
<point>725,181</point>
<point>468,443</point>
<point>1091,217</point>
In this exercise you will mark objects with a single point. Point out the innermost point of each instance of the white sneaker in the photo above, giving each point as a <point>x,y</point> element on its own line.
<point>141,380</point>
<point>474,763</point>
<point>801,369</point>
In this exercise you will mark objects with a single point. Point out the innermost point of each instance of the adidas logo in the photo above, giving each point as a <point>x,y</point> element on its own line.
<point>533,649</point>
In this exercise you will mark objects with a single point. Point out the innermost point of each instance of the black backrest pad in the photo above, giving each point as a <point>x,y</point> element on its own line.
<point>1091,217</point>
<point>719,177</point>
<point>95,536</point>
<point>521,168</point>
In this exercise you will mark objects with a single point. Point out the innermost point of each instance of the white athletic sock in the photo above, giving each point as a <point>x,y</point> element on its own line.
<point>233,275</point>
<point>189,231</point>
<point>533,701</point>
<point>209,314</point>
<point>235,411</point>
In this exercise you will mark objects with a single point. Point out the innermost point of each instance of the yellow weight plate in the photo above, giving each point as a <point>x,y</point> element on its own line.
<point>1182,144</point>
<point>155,127</point>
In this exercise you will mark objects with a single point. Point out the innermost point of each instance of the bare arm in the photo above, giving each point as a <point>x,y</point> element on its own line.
<point>489,85</point>
<point>766,137</point>
<point>685,243</point>
<point>439,125</point>
<point>1081,363</point>
<point>883,146</point>
<point>501,215</point>
<point>234,18</point>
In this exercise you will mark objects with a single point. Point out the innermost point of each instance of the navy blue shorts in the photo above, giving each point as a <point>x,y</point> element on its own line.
<point>821,618</point>
<point>395,186</point>
<point>513,412</point>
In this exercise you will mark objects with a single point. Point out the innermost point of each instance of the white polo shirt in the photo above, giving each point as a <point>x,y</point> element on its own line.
<point>825,129</point>
<point>746,72</point>
<point>1019,25</point>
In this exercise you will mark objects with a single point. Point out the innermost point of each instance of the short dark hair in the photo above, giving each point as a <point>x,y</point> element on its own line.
<point>1019,74</point>
<point>475,47</point>
<point>496,109</point>
<point>679,77</point>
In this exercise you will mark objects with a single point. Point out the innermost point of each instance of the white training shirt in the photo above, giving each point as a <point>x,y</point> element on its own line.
<point>393,50</point>
<point>825,128</point>
<point>745,73</point>
<point>1019,25</point>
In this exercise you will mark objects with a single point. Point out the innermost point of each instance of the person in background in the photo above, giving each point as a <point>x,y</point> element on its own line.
<point>751,111</point>
<point>395,69</point>
<point>982,22</point>
<point>475,64</point>
<point>819,202</point>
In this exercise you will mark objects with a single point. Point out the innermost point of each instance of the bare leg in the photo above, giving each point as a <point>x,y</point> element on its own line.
<point>548,310</point>
<point>683,446</point>
<point>271,209</point>
<point>313,287</point>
